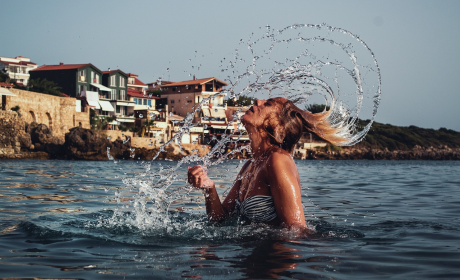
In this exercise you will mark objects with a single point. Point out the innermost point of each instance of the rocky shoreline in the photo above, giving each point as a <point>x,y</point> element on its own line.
<point>418,153</point>
<point>20,140</point>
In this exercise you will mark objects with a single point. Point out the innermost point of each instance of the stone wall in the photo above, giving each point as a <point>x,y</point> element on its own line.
<point>58,113</point>
<point>11,129</point>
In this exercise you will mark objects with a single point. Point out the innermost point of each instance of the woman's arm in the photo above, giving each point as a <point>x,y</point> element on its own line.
<point>216,210</point>
<point>284,183</point>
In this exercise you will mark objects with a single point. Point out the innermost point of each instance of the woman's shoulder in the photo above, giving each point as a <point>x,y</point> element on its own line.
<point>280,158</point>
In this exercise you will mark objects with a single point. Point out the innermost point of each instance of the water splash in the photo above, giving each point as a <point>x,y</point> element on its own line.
<point>305,63</point>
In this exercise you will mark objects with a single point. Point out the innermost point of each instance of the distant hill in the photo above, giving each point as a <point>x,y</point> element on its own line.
<point>393,138</point>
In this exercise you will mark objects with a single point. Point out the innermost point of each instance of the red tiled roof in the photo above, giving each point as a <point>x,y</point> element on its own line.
<point>63,67</point>
<point>131,75</point>
<point>6,84</point>
<point>136,93</point>
<point>194,82</point>
<point>138,82</point>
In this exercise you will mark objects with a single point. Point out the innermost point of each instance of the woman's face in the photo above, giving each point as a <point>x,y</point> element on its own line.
<point>263,109</point>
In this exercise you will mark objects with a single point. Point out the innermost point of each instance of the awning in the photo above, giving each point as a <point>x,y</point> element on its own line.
<point>220,127</point>
<point>106,106</point>
<point>176,118</point>
<point>101,87</point>
<point>4,91</point>
<point>141,107</point>
<point>121,103</point>
<point>122,120</point>
<point>242,138</point>
<point>93,103</point>
<point>92,98</point>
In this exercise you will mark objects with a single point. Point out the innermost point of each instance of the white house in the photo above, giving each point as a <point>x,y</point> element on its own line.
<point>17,68</point>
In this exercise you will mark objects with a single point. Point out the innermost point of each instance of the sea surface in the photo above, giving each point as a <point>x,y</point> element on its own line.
<point>369,220</point>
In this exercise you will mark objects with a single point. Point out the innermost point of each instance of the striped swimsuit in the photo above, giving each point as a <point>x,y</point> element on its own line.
<point>258,208</point>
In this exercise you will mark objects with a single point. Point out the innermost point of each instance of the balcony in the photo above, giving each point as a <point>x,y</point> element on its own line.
<point>214,106</point>
<point>125,118</point>
<point>213,93</point>
<point>207,120</point>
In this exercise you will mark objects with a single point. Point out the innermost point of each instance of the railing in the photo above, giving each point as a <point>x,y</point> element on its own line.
<point>212,119</point>
<point>215,106</point>
<point>119,115</point>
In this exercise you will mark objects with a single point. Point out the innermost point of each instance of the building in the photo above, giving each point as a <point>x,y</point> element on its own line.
<point>17,68</point>
<point>82,81</point>
<point>135,84</point>
<point>183,97</point>
<point>74,79</point>
<point>117,82</point>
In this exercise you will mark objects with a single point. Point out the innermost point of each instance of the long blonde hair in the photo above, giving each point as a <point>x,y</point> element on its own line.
<point>286,128</point>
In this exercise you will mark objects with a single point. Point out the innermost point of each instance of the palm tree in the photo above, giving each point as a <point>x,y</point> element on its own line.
<point>148,124</point>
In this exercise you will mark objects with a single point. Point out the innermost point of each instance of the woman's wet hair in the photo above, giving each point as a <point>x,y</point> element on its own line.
<point>286,128</point>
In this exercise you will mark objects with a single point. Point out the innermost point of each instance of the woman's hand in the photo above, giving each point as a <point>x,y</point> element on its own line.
<point>198,178</point>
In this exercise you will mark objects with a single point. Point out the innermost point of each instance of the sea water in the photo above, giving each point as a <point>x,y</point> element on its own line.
<point>370,219</point>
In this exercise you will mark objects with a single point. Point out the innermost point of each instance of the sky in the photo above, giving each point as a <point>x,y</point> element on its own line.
<point>416,43</point>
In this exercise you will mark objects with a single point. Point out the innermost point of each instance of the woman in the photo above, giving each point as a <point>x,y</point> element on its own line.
<point>267,189</point>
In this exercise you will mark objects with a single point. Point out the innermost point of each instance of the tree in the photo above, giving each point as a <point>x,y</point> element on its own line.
<point>45,86</point>
<point>4,78</point>
<point>123,127</point>
<point>134,129</point>
<point>99,122</point>
<point>148,124</point>
<point>316,108</point>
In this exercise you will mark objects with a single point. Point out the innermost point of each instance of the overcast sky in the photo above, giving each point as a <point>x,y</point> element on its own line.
<point>416,43</point>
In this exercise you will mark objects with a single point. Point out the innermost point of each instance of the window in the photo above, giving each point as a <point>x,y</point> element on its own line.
<point>118,109</point>
<point>122,95</point>
<point>113,82</point>
<point>82,75</point>
<point>172,101</point>
<point>122,82</point>
<point>135,101</point>
<point>145,101</point>
<point>149,102</point>
<point>94,77</point>
<point>189,101</point>
<point>82,88</point>
<point>113,94</point>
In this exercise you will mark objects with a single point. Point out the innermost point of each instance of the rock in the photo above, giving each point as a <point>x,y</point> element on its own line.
<point>43,135</point>
<point>86,144</point>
